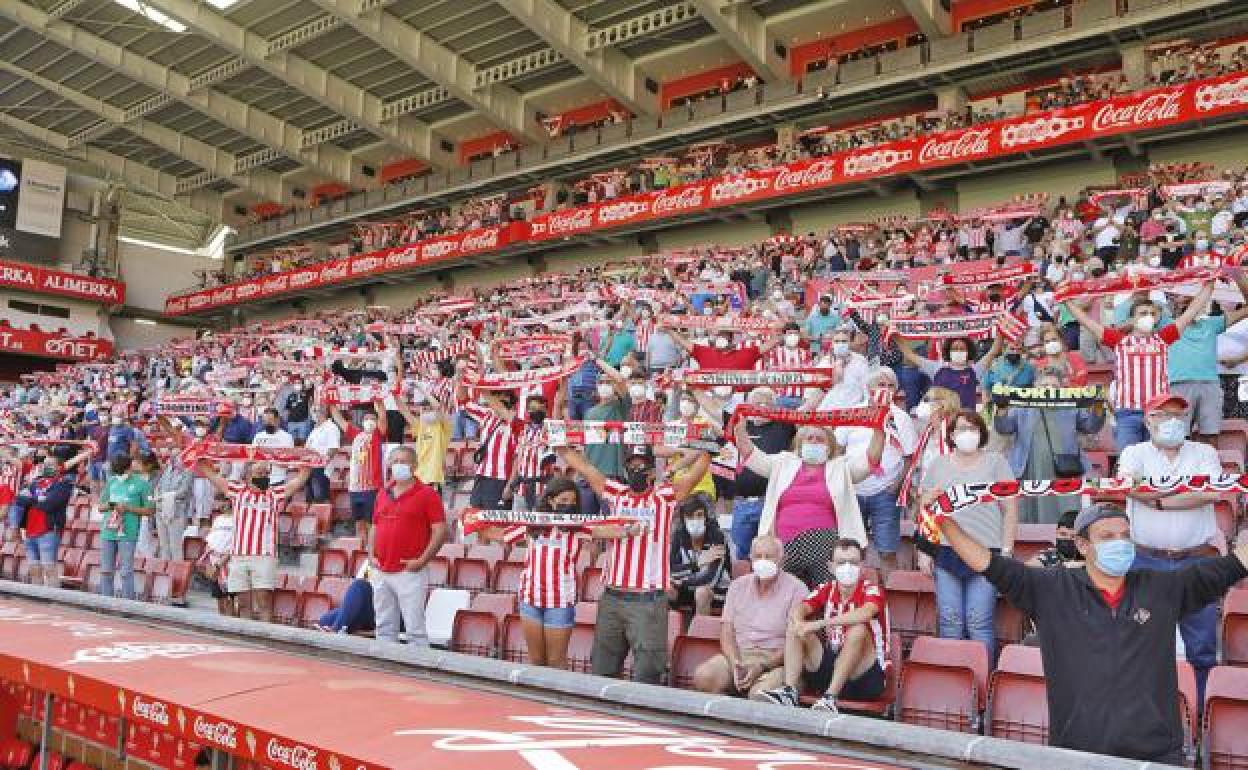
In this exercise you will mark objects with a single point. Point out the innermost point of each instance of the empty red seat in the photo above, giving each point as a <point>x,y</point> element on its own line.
<point>1235,627</point>
<point>285,605</point>
<point>335,588</point>
<point>490,554</point>
<point>944,684</point>
<point>1226,719</point>
<point>474,632</point>
<point>1017,697</point>
<point>307,532</point>
<point>1010,623</point>
<point>1188,705</point>
<point>439,570</point>
<point>911,605</point>
<point>507,577</point>
<point>180,576</point>
<point>162,588</point>
<point>892,676</point>
<point>514,648</point>
<point>470,574</point>
<point>499,605</point>
<point>311,607</point>
<point>591,584</point>
<point>688,653</point>
<point>580,646</point>
<point>332,562</point>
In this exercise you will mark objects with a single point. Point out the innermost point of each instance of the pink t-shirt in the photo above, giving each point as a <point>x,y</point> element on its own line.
<point>805,505</point>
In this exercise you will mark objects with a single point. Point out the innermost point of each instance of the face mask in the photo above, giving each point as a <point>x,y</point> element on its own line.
<point>260,482</point>
<point>882,319</point>
<point>847,574</point>
<point>1171,433</point>
<point>840,349</point>
<point>957,356</point>
<point>428,418</point>
<point>537,416</point>
<point>200,431</point>
<point>1066,549</point>
<point>1115,557</point>
<point>765,569</point>
<point>247,402</point>
<point>814,454</point>
<point>637,392</point>
<point>605,392</point>
<point>116,422</point>
<point>722,391</point>
<point>1145,323</point>
<point>1202,244</point>
<point>638,479</point>
<point>401,472</point>
<point>688,409</point>
<point>1154,261</point>
<point>270,428</point>
<point>792,339</point>
<point>1053,347</point>
<point>626,372</point>
<point>1013,358</point>
<point>695,527</point>
<point>369,426</point>
<point>923,410</point>
<point>721,343</point>
<point>966,440</point>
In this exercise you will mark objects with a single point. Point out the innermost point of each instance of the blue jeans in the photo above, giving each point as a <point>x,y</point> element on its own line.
<point>356,612</point>
<point>966,608</point>
<point>550,617</point>
<point>117,555</point>
<point>913,384</point>
<point>299,430</point>
<point>745,517</point>
<point>318,486</point>
<point>463,427</point>
<point>43,548</point>
<point>884,515</point>
<point>579,402</point>
<point>788,402</point>
<point>1129,428</point>
<point>1199,629</point>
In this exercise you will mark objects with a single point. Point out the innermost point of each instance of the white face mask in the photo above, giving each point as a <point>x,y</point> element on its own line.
<point>792,339</point>
<point>765,569</point>
<point>722,391</point>
<point>815,454</point>
<point>626,371</point>
<point>1154,261</point>
<point>605,391</point>
<point>369,426</point>
<point>401,472</point>
<point>721,343</point>
<point>1145,323</point>
<point>923,410</point>
<point>637,392</point>
<point>847,574</point>
<point>840,349</point>
<point>966,440</point>
<point>695,527</point>
<point>1052,347</point>
<point>200,431</point>
<point>428,418</point>
<point>957,356</point>
<point>688,409</point>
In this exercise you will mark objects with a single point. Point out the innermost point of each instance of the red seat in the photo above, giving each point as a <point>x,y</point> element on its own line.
<point>285,528</point>
<point>471,574</point>
<point>1032,539</point>
<point>358,559</point>
<point>285,605</point>
<point>881,705</point>
<point>307,532</point>
<point>142,585</point>
<point>507,577</point>
<point>474,632</point>
<point>499,605</point>
<point>15,752</point>
<point>944,684</point>
<point>591,584</point>
<point>587,612</point>
<point>688,653</point>
<point>514,648</point>
<point>335,588</point>
<point>490,554</point>
<point>180,574</point>
<point>332,562</point>
<point>1235,627</point>
<point>704,627</point>
<point>1017,697</point>
<point>323,515</point>
<point>580,645</point>
<point>1010,623</point>
<point>911,605</point>
<point>439,572</point>
<point>311,607</point>
<point>162,588</point>
<point>1226,719</point>
<point>71,561</point>
<point>1188,706</point>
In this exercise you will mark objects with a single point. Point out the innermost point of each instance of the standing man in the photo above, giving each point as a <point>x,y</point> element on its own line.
<point>1106,632</point>
<point>271,435</point>
<point>173,507</point>
<point>364,471</point>
<point>253,554</point>
<point>128,496</point>
<point>632,613</point>
<point>325,438</point>
<point>1171,531</point>
<point>409,528</point>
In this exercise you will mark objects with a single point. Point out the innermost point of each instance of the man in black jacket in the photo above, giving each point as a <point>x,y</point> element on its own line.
<point>1107,633</point>
<point>40,511</point>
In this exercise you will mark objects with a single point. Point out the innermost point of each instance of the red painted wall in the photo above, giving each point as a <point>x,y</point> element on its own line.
<point>702,81</point>
<point>898,29</point>
<point>970,10</point>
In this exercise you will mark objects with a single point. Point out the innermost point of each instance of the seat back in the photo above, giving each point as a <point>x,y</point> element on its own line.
<point>439,572</point>
<point>312,606</point>
<point>470,574</point>
<point>507,577</point>
<point>911,599</point>
<point>332,562</point>
<point>162,588</point>
<point>285,605</point>
<point>1017,697</point>
<point>704,627</point>
<point>514,648</point>
<point>688,654</point>
<point>1226,719</point>
<point>440,613</point>
<point>587,612</point>
<point>944,684</point>
<point>490,554</point>
<point>474,632</point>
<point>335,588</point>
<point>498,605</point>
<point>580,647</point>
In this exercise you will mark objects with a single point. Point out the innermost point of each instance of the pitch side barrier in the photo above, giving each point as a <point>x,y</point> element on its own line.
<point>855,738</point>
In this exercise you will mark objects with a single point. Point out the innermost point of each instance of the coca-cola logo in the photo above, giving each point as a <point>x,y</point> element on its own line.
<point>480,240</point>
<point>875,161</point>
<point>303,278</point>
<point>10,341</point>
<point>242,291</point>
<point>686,199</point>
<point>1154,109</point>
<point>177,305</point>
<point>817,174</point>
<point>738,188</point>
<point>196,301</point>
<point>222,734</point>
<point>296,756</point>
<point>151,710</point>
<point>17,275</point>
<point>438,249</point>
<point>570,220</point>
<point>621,212</point>
<point>276,283</point>
<point>227,294</point>
<point>1039,131</point>
<point>335,272</point>
<point>964,145</point>
<point>1228,94</point>
<point>402,258</point>
<point>367,264</point>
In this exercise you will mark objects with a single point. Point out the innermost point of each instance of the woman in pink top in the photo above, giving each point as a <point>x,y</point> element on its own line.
<point>810,498</point>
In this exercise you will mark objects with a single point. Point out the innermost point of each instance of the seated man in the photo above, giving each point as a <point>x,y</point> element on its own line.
<point>852,662</point>
<point>756,612</point>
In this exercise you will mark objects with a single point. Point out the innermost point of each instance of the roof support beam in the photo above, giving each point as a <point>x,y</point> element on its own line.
<point>338,94</point>
<point>218,163</point>
<point>262,127</point>
<point>611,70</point>
<point>118,167</point>
<point>501,104</point>
<point>933,20</point>
<point>745,31</point>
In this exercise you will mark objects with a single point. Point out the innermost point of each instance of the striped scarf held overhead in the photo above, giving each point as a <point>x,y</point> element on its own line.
<point>941,433</point>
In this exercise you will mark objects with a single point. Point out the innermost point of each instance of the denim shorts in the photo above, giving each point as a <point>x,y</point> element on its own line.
<point>43,548</point>
<point>550,617</point>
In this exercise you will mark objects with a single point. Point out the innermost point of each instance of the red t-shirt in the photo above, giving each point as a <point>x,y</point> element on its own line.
<point>733,358</point>
<point>402,526</point>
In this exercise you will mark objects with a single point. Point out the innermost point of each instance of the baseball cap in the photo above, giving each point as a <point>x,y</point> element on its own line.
<point>1094,513</point>
<point>1161,399</point>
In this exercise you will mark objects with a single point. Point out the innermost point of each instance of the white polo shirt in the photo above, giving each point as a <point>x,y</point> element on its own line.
<point>1171,530</point>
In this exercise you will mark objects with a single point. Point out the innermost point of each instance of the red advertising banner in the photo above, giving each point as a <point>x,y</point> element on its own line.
<point>1140,111</point>
<point>50,345</point>
<point>40,280</point>
<point>390,260</point>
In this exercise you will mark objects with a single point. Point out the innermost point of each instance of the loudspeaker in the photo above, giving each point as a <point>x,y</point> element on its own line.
<point>447,146</point>
<point>368,171</point>
<point>652,86</point>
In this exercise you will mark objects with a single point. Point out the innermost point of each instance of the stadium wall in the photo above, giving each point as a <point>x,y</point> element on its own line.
<point>1222,151</point>
<point>128,335</point>
<point>722,233</point>
<point>821,217</point>
<point>152,274</point>
<point>1057,180</point>
<point>83,316</point>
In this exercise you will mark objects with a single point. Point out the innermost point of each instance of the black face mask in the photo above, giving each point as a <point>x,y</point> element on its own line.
<point>638,479</point>
<point>537,416</point>
<point>1014,358</point>
<point>270,428</point>
<point>260,482</point>
<point>1066,549</point>
<point>567,509</point>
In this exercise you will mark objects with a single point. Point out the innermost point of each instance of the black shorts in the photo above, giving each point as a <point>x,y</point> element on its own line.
<point>869,686</point>
<point>487,493</point>
<point>685,599</point>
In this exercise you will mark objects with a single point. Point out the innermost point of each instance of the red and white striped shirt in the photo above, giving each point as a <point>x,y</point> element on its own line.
<point>641,563</point>
<point>549,579</point>
<point>497,440</point>
<point>11,476</point>
<point>827,599</point>
<point>975,236</point>
<point>641,335</point>
<point>255,518</point>
<point>364,471</point>
<point>1140,368</point>
<point>530,451</point>
<point>782,357</point>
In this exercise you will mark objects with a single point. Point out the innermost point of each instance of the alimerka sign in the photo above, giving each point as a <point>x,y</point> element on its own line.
<point>40,280</point>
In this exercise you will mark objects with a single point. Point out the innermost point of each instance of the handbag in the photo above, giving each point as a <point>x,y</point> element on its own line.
<point>1066,466</point>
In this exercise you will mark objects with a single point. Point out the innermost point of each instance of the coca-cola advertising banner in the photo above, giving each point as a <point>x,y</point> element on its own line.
<point>49,345</point>
<point>1141,111</point>
<point>396,259</point>
<point>40,280</point>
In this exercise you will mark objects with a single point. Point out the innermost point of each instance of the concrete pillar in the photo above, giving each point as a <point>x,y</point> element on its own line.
<point>786,134</point>
<point>1135,63</point>
<point>951,98</point>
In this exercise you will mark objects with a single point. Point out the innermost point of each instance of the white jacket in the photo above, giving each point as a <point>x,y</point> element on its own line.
<point>840,473</point>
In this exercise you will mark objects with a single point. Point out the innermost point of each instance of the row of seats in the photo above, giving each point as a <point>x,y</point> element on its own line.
<point>17,754</point>
<point>156,580</point>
